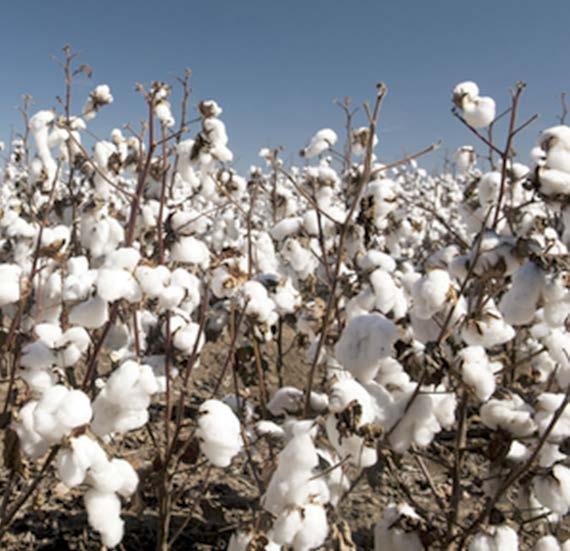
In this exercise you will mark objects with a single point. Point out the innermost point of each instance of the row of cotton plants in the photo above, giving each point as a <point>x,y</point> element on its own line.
<point>432,310</point>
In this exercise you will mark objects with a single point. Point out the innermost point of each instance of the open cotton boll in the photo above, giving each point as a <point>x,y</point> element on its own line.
<point>363,343</point>
<point>479,112</point>
<point>104,516</point>
<point>293,483</point>
<point>313,530</point>
<point>184,334</point>
<point>73,463</point>
<point>32,443</point>
<point>478,372</point>
<point>512,415</point>
<point>348,393</point>
<point>360,304</point>
<point>359,140</point>
<point>163,113</point>
<point>553,490</point>
<point>289,400</point>
<point>489,188</point>
<point>495,538</point>
<point>219,432</point>
<point>519,303</point>
<point>419,422</point>
<point>385,290</point>
<point>467,89</point>
<point>152,280</point>
<point>558,346</point>
<point>488,330</point>
<point>240,541</point>
<point>324,139</point>
<point>286,526</point>
<point>115,284</point>
<point>122,403</point>
<point>10,288</point>
<point>547,405</point>
<point>79,281</point>
<point>299,258</point>
<point>376,259</point>
<point>191,251</point>
<point>394,531</point>
<point>465,158</point>
<point>547,543</point>
<point>431,293</point>
<point>91,314</point>
<point>553,182</point>
<point>286,227</point>
<point>115,476</point>
<point>59,410</point>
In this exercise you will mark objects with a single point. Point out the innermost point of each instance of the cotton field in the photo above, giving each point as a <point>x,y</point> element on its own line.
<point>362,354</point>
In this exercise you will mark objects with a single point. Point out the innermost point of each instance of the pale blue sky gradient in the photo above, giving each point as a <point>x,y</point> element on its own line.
<point>276,66</point>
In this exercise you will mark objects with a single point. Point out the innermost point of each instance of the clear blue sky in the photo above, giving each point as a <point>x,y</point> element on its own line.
<point>276,66</point>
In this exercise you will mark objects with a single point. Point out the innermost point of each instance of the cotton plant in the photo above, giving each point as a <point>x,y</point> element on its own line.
<point>438,296</point>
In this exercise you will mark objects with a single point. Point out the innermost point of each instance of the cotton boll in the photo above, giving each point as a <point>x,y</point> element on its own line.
<point>392,533</point>
<point>480,112</point>
<point>465,158</point>
<point>122,404</point>
<point>286,526</point>
<point>111,477</point>
<point>10,288</point>
<point>519,303</point>
<point>164,114</point>
<point>385,290</point>
<point>553,489</point>
<point>489,329</point>
<point>548,404</point>
<point>72,463</point>
<point>32,443</point>
<point>489,188</point>
<point>286,227</point>
<point>502,538</point>
<point>478,372</point>
<point>553,182</point>
<point>320,142</point>
<point>360,304</point>
<point>190,250</point>
<point>269,428</point>
<point>75,410</point>
<point>511,414</point>
<point>91,314</point>
<point>376,259</point>
<point>547,543</point>
<point>114,284</point>
<point>219,432</point>
<point>363,343</point>
<point>184,334</point>
<point>430,293</point>
<point>420,421</point>
<point>103,515</point>
<point>313,530</point>
<point>152,281</point>
<point>346,394</point>
<point>467,89</point>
